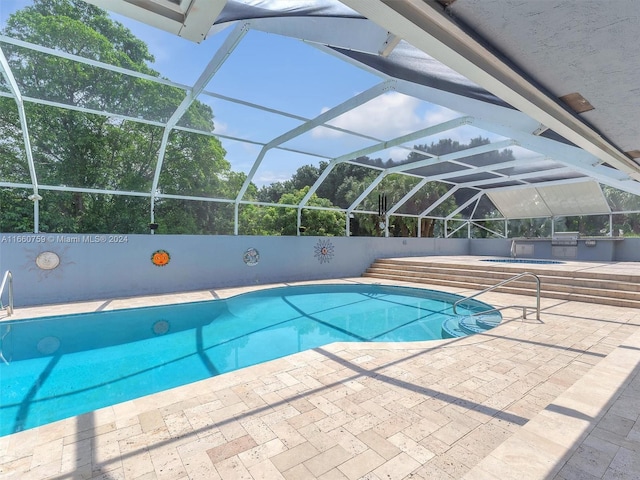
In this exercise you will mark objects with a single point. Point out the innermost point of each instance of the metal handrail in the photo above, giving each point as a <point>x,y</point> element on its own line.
<point>515,277</point>
<point>7,277</point>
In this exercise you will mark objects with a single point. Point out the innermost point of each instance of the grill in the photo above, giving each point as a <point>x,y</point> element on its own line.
<point>565,239</point>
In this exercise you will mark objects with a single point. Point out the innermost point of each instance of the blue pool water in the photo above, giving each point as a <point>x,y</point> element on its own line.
<point>57,367</point>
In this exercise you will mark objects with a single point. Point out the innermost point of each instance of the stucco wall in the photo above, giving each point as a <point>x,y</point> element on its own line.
<point>627,250</point>
<point>103,266</point>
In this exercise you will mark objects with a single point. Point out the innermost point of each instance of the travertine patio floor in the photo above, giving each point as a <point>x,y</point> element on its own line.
<point>557,398</point>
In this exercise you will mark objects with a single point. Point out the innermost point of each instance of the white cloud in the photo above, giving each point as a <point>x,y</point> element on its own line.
<point>398,154</point>
<point>268,177</point>
<point>437,115</point>
<point>387,116</point>
<point>221,128</point>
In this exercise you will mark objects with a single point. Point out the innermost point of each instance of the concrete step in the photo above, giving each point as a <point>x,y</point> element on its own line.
<point>483,280</point>
<point>582,286</point>
<point>538,269</point>
<point>604,300</point>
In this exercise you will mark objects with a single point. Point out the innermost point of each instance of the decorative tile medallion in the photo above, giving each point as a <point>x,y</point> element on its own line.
<point>47,260</point>
<point>160,258</point>
<point>324,250</point>
<point>251,257</point>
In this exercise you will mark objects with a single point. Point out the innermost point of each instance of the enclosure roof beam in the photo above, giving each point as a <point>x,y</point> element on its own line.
<point>221,55</point>
<point>91,111</point>
<point>438,202</point>
<point>425,132</point>
<point>424,25</point>
<point>550,183</point>
<point>519,177</point>
<point>321,119</point>
<point>467,152</point>
<point>17,96</point>
<point>578,159</point>
<point>89,61</point>
<point>475,198</point>
<point>463,173</point>
<point>366,192</point>
<point>281,113</point>
<point>408,196</point>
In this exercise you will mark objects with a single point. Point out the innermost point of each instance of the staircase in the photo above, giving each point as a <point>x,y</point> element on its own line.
<point>580,285</point>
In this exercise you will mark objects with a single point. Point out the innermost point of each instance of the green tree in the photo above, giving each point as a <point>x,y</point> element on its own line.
<point>346,182</point>
<point>84,150</point>
<point>620,201</point>
<point>304,176</point>
<point>283,220</point>
<point>271,193</point>
<point>530,227</point>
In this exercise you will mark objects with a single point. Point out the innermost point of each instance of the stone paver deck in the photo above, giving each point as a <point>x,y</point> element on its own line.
<point>557,398</point>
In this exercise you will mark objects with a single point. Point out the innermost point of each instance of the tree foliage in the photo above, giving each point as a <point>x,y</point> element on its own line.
<point>276,220</point>
<point>84,150</point>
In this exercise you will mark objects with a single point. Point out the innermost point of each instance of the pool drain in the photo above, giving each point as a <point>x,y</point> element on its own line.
<point>48,345</point>
<point>161,327</point>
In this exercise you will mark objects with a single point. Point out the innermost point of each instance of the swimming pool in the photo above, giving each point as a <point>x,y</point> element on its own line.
<point>57,367</point>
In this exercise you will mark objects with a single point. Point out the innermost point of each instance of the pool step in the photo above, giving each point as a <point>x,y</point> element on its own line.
<point>581,286</point>
<point>463,325</point>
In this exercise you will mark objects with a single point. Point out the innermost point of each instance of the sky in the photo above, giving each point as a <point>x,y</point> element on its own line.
<point>288,75</point>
